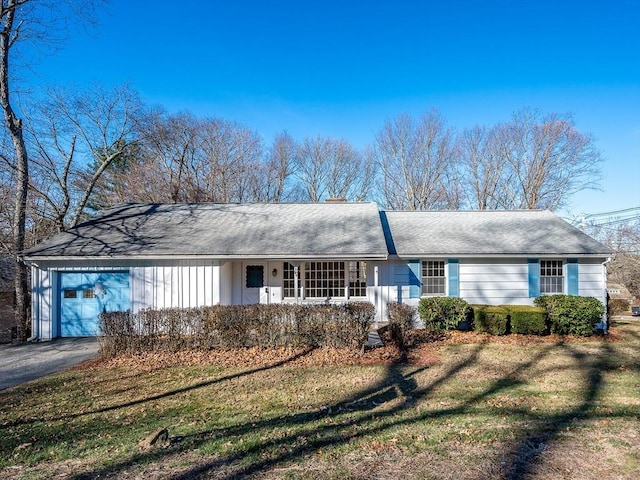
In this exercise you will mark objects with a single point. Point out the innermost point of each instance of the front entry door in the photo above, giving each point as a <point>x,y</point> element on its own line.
<point>254,283</point>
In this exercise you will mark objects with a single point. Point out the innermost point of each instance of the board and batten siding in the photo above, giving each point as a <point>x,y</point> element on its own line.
<point>44,304</point>
<point>184,284</point>
<point>160,284</point>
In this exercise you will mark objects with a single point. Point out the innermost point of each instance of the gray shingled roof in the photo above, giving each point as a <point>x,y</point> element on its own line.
<point>486,233</point>
<point>348,230</point>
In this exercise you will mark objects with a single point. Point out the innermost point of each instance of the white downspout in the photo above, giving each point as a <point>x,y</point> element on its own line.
<point>605,320</point>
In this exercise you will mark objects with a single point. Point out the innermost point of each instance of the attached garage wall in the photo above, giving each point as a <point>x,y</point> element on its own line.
<point>184,284</point>
<point>163,284</point>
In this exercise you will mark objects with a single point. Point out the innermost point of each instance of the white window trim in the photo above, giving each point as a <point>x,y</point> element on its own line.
<point>445,277</point>
<point>563,267</point>
<point>302,283</point>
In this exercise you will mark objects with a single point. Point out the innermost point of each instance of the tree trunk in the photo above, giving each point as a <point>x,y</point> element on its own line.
<point>14,126</point>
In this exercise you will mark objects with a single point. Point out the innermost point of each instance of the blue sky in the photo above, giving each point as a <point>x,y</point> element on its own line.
<point>340,68</point>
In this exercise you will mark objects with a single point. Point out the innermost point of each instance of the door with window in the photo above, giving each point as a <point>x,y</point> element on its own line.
<point>254,283</point>
<point>84,296</point>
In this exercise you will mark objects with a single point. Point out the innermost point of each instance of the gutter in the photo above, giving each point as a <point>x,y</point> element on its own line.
<point>284,257</point>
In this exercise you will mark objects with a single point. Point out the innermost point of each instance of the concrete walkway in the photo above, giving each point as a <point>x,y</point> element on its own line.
<point>28,361</point>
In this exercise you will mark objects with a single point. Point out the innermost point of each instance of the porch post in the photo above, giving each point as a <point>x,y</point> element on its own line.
<point>296,282</point>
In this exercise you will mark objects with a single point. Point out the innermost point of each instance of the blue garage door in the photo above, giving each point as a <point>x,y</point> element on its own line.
<point>83,296</point>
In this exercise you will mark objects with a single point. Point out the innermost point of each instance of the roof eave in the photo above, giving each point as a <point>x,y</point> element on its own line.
<point>351,256</point>
<point>501,255</point>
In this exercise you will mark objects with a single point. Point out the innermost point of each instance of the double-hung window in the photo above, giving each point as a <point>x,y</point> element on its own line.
<point>551,277</point>
<point>357,279</point>
<point>433,278</point>
<point>288,280</point>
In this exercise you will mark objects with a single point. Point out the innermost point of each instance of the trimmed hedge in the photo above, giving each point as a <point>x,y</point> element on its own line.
<point>440,314</point>
<point>571,315</point>
<point>618,306</point>
<point>491,319</point>
<point>527,320</point>
<point>400,322</point>
<point>237,326</point>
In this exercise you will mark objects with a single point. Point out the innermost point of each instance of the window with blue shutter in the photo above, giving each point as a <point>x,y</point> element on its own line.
<point>454,277</point>
<point>534,277</point>
<point>414,279</point>
<point>572,276</point>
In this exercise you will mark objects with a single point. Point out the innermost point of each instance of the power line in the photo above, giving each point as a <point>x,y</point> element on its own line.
<point>613,213</point>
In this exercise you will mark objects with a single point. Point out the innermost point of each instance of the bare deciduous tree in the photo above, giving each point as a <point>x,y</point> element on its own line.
<point>486,177</point>
<point>269,181</point>
<point>75,138</point>
<point>182,158</point>
<point>624,240</point>
<point>329,168</point>
<point>534,161</point>
<point>43,24</point>
<point>416,161</point>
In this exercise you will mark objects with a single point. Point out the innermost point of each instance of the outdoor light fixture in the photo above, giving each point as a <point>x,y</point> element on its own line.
<point>274,272</point>
<point>99,288</point>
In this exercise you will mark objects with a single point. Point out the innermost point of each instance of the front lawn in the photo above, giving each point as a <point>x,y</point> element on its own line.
<point>468,406</point>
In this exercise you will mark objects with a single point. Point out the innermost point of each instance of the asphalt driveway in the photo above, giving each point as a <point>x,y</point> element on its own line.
<point>24,362</point>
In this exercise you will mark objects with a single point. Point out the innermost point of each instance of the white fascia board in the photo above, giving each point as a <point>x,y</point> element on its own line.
<point>498,255</point>
<point>35,259</point>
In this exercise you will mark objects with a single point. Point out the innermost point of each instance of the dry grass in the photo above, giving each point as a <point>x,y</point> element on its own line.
<point>459,406</point>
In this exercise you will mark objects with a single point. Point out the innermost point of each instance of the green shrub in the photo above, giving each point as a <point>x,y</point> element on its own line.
<point>527,320</point>
<point>491,319</point>
<point>443,313</point>
<point>400,322</point>
<point>571,315</point>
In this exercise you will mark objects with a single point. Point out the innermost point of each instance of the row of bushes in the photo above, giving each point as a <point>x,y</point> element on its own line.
<point>236,326</point>
<point>503,319</point>
<point>561,314</point>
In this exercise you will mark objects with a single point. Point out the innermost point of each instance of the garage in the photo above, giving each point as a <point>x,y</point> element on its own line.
<point>84,295</point>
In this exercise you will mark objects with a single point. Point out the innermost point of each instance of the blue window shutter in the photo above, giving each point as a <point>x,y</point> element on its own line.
<point>454,277</point>
<point>572,276</point>
<point>534,277</point>
<point>414,279</point>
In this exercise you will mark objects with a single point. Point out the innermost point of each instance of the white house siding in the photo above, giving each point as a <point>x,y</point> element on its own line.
<point>490,281</point>
<point>393,286</point>
<point>154,284</point>
<point>180,284</point>
<point>592,279</point>
<point>495,281</point>
<point>43,303</point>
<point>226,290</point>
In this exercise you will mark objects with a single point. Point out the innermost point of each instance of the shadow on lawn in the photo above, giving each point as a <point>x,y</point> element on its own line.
<point>373,411</point>
<point>527,451</point>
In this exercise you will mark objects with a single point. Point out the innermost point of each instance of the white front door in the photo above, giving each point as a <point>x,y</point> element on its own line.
<point>254,283</point>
